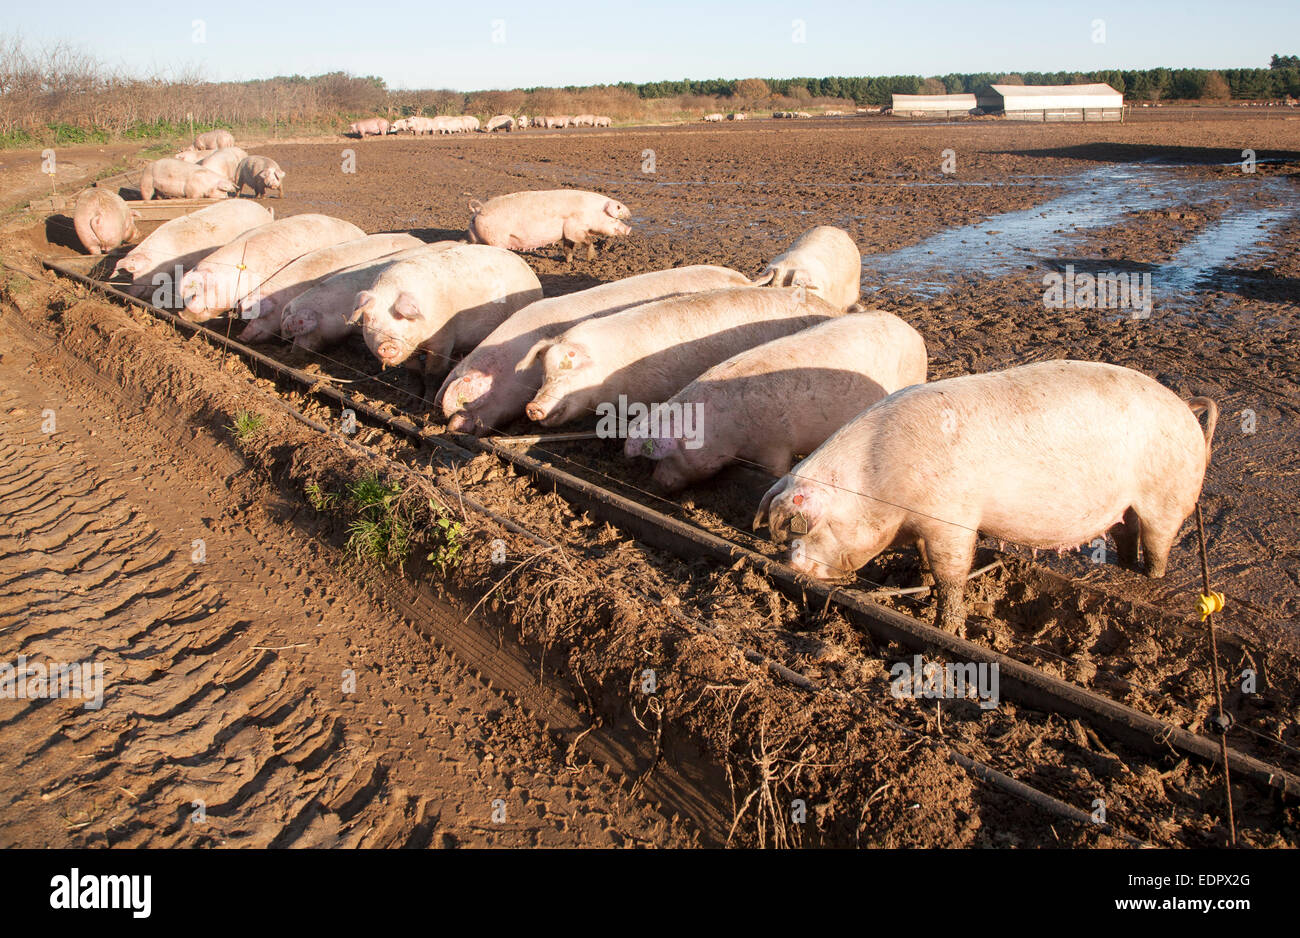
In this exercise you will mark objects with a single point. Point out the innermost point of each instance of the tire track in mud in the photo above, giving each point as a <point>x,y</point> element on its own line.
<point>224,718</point>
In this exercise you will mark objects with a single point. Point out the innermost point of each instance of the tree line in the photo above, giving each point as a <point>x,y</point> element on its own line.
<point>1280,80</point>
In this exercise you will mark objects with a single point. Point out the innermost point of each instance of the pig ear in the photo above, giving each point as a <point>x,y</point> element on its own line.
<point>365,302</point>
<point>537,351</point>
<point>760,516</point>
<point>475,206</point>
<point>765,278</point>
<point>570,356</point>
<point>406,306</point>
<point>135,214</point>
<point>658,448</point>
<point>798,509</point>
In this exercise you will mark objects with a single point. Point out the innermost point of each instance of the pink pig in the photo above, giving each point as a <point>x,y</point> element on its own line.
<point>523,221</point>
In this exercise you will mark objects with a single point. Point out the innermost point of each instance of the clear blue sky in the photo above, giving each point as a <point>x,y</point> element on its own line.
<point>450,44</point>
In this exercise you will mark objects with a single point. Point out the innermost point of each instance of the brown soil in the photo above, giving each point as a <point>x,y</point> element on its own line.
<point>598,609</point>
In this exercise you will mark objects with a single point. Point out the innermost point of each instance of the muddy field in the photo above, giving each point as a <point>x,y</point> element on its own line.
<point>961,256</point>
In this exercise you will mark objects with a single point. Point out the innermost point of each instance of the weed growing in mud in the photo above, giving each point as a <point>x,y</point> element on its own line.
<point>447,553</point>
<point>319,499</point>
<point>381,532</point>
<point>386,521</point>
<point>247,425</point>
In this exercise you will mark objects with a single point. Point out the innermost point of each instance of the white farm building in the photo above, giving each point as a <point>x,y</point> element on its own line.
<point>933,105</point>
<point>1098,102</point>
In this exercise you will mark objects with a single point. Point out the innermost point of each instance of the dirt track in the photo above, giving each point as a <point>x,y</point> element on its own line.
<point>225,679</point>
<point>737,196</point>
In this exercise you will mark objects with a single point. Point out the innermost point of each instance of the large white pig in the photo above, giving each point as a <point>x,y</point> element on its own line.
<point>176,179</point>
<point>183,242</point>
<point>523,221</point>
<point>370,126</point>
<point>440,302</point>
<point>823,259</point>
<point>649,352</point>
<point>780,399</point>
<point>322,315</point>
<point>213,140</point>
<point>223,278</point>
<point>103,220</point>
<point>224,161</point>
<point>259,173</point>
<point>491,385</point>
<point>1050,455</point>
<point>264,307</point>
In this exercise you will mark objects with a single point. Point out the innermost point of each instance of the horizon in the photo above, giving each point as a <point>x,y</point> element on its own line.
<point>511,45</point>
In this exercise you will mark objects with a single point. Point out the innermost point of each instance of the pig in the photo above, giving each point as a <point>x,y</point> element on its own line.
<point>320,316</point>
<point>183,242</point>
<point>471,123</point>
<point>501,122</point>
<point>176,179</point>
<point>779,399</point>
<point>1049,455</point>
<point>649,352</point>
<point>224,161</point>
<point>423,125</point>
<point>823,259</point>
<point>103,220</point>
<point>490,386</point>
<point>370,126</point>
<point>523,123</point>
<point>442,301</point>
<point>223,278</point>
<point>259,173</point>
<point>400,126</point>
<point>711,118</point>
<point>523,221</point>
<point>214,140</point>
<point>602,121</point>
<point>190,155</point>
<point>264,307</point>
<point>584,120</point>
<point>737,117</point>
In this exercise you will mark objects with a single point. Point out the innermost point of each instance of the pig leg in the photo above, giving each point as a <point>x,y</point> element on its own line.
<point>951,554</point>
<point>568,250</point>
<point>927,573</point>
<point>1126,539</point>
<point>1157,536</point>
<point>591,254</point>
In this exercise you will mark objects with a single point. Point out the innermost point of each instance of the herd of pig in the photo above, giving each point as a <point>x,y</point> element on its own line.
<point>212,167</point>
<point>788,364</point>
<point>380,126</point>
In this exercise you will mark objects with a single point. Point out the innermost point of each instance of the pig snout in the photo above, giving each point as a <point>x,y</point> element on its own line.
<point>536,411</point>
<point>462,423</point>
<point>390,352</point>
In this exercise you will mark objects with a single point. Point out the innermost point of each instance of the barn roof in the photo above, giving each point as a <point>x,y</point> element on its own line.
<point>1040,96</point>
<point>934,102</point>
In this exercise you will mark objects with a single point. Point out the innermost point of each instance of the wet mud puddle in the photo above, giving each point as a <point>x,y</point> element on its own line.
<point>1034,240</point>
